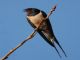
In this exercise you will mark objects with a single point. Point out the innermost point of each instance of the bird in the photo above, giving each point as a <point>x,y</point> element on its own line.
<point>34,17</point>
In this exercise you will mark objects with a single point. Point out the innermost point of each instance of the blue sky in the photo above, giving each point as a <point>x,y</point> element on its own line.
<point>14,28</point>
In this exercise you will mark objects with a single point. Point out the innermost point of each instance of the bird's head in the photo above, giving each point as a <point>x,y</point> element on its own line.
<point>31,11</point>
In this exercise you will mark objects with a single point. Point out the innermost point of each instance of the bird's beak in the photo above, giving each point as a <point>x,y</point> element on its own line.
<point>25,11</point>
<point>28,12</point>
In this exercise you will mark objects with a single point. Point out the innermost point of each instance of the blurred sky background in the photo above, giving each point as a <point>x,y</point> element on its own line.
<point>14,28</point>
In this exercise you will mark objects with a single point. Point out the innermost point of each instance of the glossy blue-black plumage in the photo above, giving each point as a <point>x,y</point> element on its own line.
<point>42,30</point>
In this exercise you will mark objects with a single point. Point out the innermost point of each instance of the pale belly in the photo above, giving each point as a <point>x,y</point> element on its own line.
<point>36,19</point>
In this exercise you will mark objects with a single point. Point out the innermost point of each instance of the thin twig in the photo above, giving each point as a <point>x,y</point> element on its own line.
<point>28,38</point>
<point>19,45</point>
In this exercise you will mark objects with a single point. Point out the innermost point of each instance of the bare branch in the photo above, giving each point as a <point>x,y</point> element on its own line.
<point>19,45</point>
<point>29,37</point>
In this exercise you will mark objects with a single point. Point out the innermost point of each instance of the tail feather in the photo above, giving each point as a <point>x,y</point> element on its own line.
<point>57,51</point>
<point>60,47</point>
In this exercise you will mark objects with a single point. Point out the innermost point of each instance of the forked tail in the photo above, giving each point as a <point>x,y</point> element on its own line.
<point>60,47</point>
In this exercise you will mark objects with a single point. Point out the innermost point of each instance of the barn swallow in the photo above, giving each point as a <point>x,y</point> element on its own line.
<point>34,17</point>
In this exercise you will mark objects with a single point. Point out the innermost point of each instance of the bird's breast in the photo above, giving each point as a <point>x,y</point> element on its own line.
<point>36,19</point>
